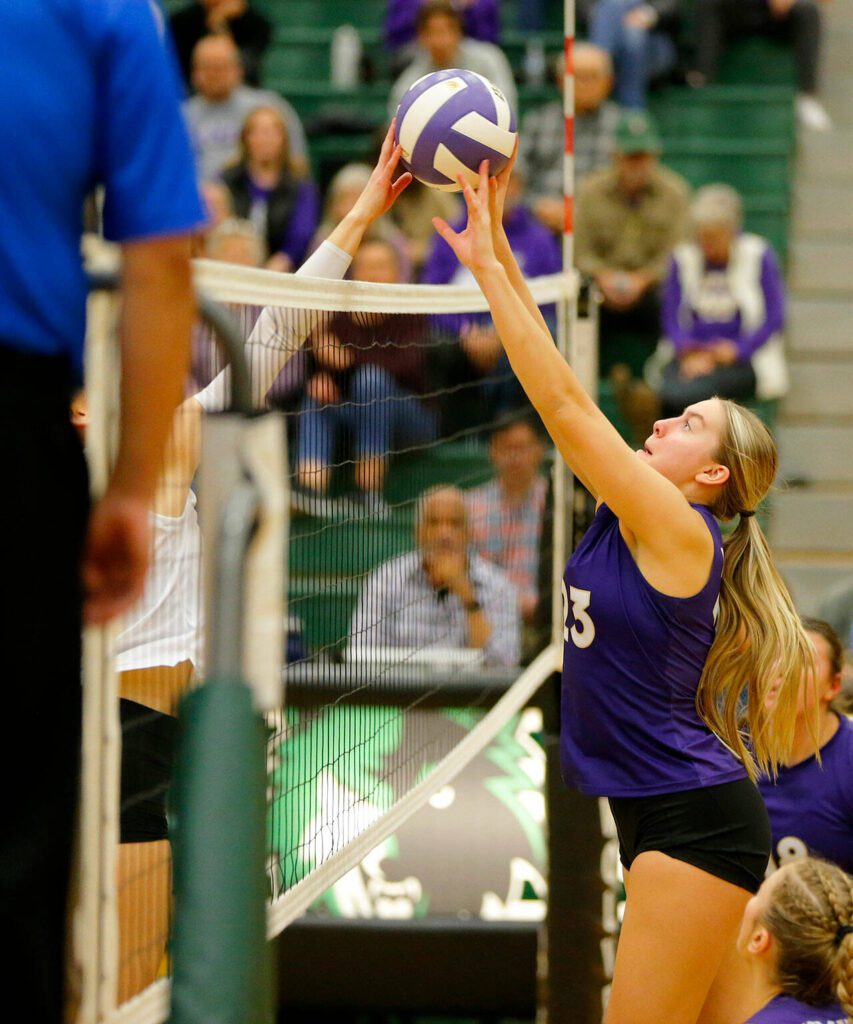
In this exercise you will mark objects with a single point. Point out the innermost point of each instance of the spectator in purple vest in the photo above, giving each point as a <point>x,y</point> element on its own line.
<point>480,18</point>
<point>810,803</point>
<point>250,31</point>
<point>797,938</point>
<point>723,311</point>
<point>265,190</point>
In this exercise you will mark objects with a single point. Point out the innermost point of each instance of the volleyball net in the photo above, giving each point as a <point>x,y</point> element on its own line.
<point>392,590</point>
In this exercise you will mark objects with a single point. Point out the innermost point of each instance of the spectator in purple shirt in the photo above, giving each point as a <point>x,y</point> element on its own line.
<point>480,18</point>
<point>810,803</point>
<point>797,938</point>
<point>723,311</point>
<point>265,190</point>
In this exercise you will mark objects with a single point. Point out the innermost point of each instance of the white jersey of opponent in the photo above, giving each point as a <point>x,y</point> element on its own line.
<point>164,627</point>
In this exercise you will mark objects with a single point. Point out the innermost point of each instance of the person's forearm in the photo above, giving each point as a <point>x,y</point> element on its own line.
<point>157,315</point>
<point>503,251</point>
<point>347,235</point>
<point>546,377</point>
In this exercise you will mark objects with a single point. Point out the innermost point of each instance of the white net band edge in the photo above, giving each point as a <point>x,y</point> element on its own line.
<point>225,282</point>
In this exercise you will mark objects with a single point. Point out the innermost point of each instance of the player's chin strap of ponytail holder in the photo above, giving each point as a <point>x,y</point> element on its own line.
<point>845,929</point>
<point>747,513</point>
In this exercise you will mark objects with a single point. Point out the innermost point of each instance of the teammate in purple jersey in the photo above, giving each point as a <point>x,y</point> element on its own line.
<point>666,625</point>
<point>811,804</point>
<point>797,939</point>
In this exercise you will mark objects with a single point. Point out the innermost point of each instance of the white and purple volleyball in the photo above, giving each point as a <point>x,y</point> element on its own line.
<point>449,122</point>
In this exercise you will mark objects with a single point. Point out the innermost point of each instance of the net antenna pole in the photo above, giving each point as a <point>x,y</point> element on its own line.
<point>221,959</point>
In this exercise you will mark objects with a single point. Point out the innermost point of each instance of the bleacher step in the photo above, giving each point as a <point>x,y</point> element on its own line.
<point>816,453</point>
<point>810,575</point>
<point>814,519</point>
<point>823,267</point>
<point>823,211</point>
<point>817,325</point>
<point>820,388</point>
<point>826,157</point>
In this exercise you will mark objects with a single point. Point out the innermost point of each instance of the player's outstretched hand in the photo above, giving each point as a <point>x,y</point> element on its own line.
<point>381,191</point>
<point>116,556</point>
<point>474,245</point>
<point>497,198</point>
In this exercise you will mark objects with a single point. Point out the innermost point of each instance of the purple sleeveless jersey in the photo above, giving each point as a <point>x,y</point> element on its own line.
<point>786,1010</point>
<point>811,805</point>
<point>631,666</point>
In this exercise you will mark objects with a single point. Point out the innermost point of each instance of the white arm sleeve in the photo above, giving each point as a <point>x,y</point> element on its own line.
<point>278,333</point>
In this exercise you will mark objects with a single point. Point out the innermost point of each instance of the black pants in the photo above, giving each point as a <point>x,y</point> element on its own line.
<point>736,381</point>
<point>42,522</point>
<point>718,19</point>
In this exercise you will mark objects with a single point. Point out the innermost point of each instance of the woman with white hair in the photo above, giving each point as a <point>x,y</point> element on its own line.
<point>723,311</point>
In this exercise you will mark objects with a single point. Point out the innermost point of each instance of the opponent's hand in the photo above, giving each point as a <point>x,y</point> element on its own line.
<point>116,556</point>
<point>381,191</point>
<point>474,245</point>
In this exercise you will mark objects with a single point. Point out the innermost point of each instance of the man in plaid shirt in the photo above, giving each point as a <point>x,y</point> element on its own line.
<point>505,514</point>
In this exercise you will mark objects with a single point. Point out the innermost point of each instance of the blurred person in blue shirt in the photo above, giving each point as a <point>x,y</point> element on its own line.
<point>90,97</point>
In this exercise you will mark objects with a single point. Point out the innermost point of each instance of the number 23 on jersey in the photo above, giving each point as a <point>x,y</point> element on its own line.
<point>583,628</point>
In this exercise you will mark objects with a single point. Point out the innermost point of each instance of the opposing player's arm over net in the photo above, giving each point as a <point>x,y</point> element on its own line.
<point>354,750</point>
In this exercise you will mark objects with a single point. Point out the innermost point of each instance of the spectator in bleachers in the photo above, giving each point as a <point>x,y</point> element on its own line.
<point>639,36</point>
<point>798,21</point>
<point>366,371</point>
<point>341,194</point>
<point>811,804</point>
<point>478,357</point>
<point>440,595</point>
<point>267,190</point>
<point>413,213</point>
<point>629,217</point>
<point>217,202</point>
<point>232,19</point>
<point>723,310</point>
<point>235,240</point>
<point>505,514</point>
<point>480,20</point>
<point>221,103</point>
<point>541,138</point>
<point>442,44</point>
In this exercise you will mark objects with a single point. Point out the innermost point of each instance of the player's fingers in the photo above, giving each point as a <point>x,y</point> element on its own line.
<point>468,193</point>
<point>388,142</point>
<point>392,161</point>
<point>401,183</point>
<point>446,231</point>
<point>483,184</point>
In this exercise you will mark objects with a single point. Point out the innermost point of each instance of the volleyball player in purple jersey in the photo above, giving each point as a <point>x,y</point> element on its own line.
<point>811,804</point>
<point>665,627</point>
<point>797,939</point>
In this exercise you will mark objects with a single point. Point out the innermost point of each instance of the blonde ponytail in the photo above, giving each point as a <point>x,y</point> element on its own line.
<point>810,916</point>
<point>760,641</point>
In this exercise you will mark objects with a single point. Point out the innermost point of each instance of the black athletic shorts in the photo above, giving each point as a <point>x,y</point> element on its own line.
<point>148,741</point>
<point>723,830</point>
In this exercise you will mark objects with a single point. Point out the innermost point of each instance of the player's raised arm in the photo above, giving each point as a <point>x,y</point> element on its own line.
<point>278,334</point>
<point>637,494</point>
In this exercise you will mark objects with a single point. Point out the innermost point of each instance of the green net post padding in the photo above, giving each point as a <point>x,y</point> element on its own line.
<point>222,965</point>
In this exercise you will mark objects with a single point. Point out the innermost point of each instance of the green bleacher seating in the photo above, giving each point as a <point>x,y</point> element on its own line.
<point>757,166</point>
<point>460,464</point>
<point>726,112</point>
<point>324,608</point>
<point>352,547</point>
<point>756,60</point>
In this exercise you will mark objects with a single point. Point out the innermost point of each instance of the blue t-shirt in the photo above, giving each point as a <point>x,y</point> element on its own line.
<point>784,1009</point>
<point>89,95</point>
<point>811,805</point>
<point>632,662</point>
